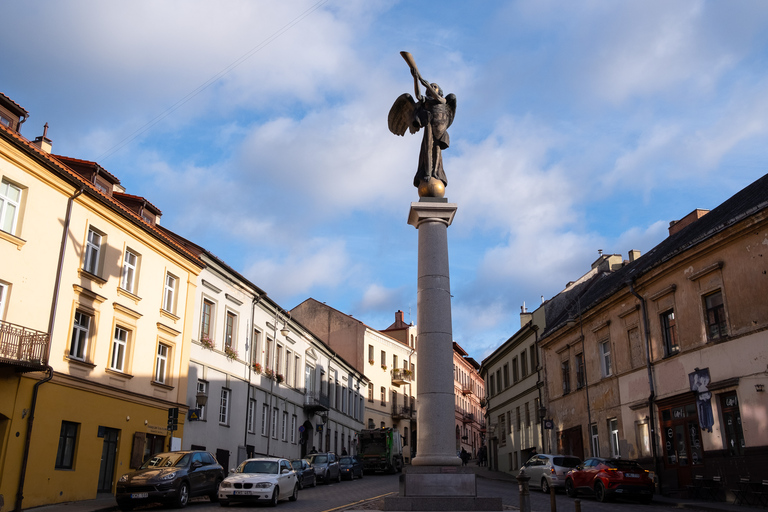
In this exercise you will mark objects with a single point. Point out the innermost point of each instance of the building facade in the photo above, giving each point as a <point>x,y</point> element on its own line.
<point>668,350</point>
<point>95,311</point>
<point>469,391</point>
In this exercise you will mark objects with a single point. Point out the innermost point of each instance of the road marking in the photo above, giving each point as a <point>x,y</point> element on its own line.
<point>359,502</point>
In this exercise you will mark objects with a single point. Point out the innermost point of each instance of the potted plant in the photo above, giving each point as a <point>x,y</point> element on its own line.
<point>371,361</point>
<point>384,367</point>
<point>407,372</point>
<point>230,352</point>
<point>257,368</point>
<point>206,342</point>
<point>279,378</point>
<point>268,373</point>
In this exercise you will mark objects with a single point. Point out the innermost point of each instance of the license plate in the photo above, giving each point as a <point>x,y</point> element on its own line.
<point>138,495</point>
<point>244,493</point>
<point>631,475</point>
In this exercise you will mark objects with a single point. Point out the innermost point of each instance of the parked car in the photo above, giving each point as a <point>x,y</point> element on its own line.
<point>304,473</point>
<point>350,467</point>
<point>608,478</point>
<point>547,471</point>
<point>171,478</point>
<point>266,479</point>
<point>326,466</point>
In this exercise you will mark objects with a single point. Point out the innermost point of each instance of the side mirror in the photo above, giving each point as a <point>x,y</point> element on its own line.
<point>284,471</point>
<point>196,464</point>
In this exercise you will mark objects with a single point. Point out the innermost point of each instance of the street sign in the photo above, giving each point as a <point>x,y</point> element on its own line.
<point>549,424</point>
<point>319,427</point>
<point>194,415</point>
<point>301,429</point>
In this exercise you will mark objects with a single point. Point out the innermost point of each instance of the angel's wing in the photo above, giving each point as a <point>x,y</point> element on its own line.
<point>401,115</point>
<point>450,100</point>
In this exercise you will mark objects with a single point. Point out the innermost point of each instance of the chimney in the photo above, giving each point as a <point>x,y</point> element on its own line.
<point>678,225</point>
<point>43,142</point>
<point>608,262</point>
<point>399,317</point>
<point>633,255</point>
<point>525,316</point>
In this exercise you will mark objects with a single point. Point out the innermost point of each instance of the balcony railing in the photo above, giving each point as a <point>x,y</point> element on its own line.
<point>465,390</point>
<point>468,417</point>
<point>315,401</point>
<point>23,347</point>
<point>401,376</point>
<point>401,412</point>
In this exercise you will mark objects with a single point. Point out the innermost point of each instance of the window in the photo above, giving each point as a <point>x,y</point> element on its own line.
<point>284,429</point>
<point>370,353</point>
<point>565,371</point>
<point>716,325</point>
<point>523,364</point>
<point>734,435</point>
<point>293,429</point>
<point>264,416</point>
<point>128,279</point>
<point>92,252</point>
<point>224,407</point>
<point>383,395</point>
<point>202,389</point>
<point>251,415</point>
<point>394,361</point>
<point>273,426</point>
<point>119,346</point>
<point>594,440</point>
<point>518,418</point>
<point>383,358</point>
<point>580,377</point>
<point>65,455</point>
<point>161,363</point>
<point>527,415</point>
<point>370,393</point>
<point>80,331</point>
<point>256,349</point>
<point>502,430</point>
<point>4,290</point>
<point>605,358</point>
<point>371,424</point>
<point>229,330</point>
<point>515,372</point>
<point>532,353</point>
<point>205,321</point>
<point>505,375</point>
<point>613,429</point>
<point>10,200</point>
<point>491,386</point>
<point>669,333</point>
<point>169,293</point>
<point>536,411</point>
<point>405,436</point>
<point>643,438</point>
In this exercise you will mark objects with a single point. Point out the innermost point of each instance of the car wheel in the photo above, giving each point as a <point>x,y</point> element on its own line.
<point>338,478</point>
<point>301,482</point>
<point>570,490</point>
<point>214,496</point>
<point>544,485</point>
<point>224,503</point>
<point>600,494</point>
<point>314,480</point>
<point>361,473</point>
<point>125,507</point>
<point>295,494</point>
<point>183,497</point>
<point>273,500</point>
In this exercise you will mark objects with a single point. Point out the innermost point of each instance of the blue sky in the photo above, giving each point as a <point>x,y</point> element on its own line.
<point>580,126</point>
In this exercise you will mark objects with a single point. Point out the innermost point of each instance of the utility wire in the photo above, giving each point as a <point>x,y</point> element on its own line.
<point>215,78</point>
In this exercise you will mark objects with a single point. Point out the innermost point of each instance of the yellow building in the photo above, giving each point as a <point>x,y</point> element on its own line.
<point>95,320</point>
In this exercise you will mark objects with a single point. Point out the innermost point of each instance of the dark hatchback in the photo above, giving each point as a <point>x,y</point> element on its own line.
<point>350,467</point>
<point>304,473</point>
<point>170,478</point>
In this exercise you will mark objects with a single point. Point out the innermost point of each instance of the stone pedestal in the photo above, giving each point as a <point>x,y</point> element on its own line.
<point>439,488</point>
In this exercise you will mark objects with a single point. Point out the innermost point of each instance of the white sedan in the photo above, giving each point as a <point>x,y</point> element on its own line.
<point>265,479</point>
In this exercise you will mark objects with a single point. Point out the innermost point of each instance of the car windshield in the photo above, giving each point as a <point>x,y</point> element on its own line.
<point>319,459</point>
<point>566,462</point>
<point>166,460</point>
<point>346,460</point>
<point>624,465</point>
<point>296,464</point>
<point>259,466</point>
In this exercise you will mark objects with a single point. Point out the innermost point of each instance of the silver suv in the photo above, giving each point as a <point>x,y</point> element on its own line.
<point>326,466</point>
<point>548,471</point>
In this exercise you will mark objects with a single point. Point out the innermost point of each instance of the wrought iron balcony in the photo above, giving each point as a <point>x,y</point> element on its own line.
<point>24,348</point>
<point>468,417</point>
<point>401,412</point>
<point>465,390</point>
<point>401,376</point>
<point>315,401</point>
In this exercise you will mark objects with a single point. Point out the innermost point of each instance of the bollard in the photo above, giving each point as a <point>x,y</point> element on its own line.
<point>552,502</point>
<point>577,505</point>
<point>525,496</point>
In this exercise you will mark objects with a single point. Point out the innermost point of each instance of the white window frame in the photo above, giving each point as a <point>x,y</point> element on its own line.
<point>7,203</point>
<point>4,291</point>
<point>211,317</point>
<point>202,388</point>
<point>293,429</point>
<point>78,344</point>
<point>275,410</point>
<point>119,349</point>
<point>128,278</point>
<point>93,251</point>
<point>224,406</point>
<point>161,363</point>
<point>594,439</point>
<point>264,419</point>
<point>169,292</point>
<point>230,331</point>
<point>613,430</point>
<point>284,429</point>
<point>605,358</point>
<point>251,415</point>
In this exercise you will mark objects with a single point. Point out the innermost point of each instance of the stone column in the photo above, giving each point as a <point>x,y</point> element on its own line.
<point>436,403</point>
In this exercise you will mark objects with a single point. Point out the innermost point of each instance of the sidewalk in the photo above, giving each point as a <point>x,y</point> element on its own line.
<point>106,502</point>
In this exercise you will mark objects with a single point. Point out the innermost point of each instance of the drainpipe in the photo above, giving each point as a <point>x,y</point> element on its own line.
<point>539,385</point>
<point>48,368</point>
<point>649,365</point>
<point>256,300</point>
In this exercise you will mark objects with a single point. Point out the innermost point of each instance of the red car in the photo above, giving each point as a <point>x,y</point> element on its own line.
<point>608,478</point>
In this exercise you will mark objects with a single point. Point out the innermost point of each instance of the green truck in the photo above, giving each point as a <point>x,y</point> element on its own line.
<point>380,449</point>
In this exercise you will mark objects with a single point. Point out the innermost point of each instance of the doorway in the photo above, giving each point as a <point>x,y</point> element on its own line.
<point>108,457</point>
<point>683,453</point>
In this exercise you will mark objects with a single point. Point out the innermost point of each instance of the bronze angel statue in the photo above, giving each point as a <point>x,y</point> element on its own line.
<point>434,113</point>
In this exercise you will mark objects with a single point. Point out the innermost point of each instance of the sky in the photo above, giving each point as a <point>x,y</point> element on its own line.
<point>259,128</point>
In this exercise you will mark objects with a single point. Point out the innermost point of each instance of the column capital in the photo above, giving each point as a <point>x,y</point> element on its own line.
<point>431,212</point>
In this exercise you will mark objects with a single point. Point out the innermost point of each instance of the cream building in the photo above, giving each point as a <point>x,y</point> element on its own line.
<point>469,391</point>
